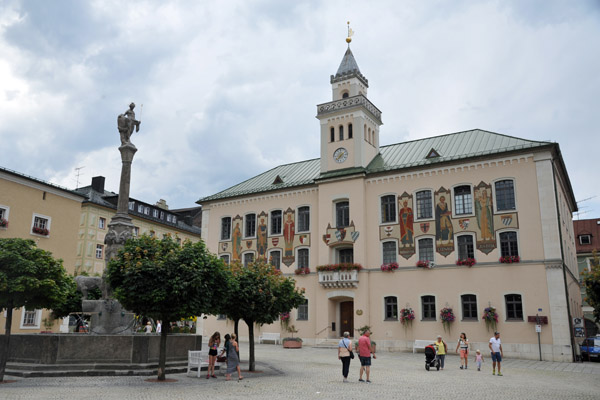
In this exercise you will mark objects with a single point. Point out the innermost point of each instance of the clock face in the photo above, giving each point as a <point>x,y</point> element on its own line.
<point>340,155</point>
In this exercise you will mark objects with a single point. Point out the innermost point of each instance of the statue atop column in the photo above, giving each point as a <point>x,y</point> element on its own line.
<point>126,122</point>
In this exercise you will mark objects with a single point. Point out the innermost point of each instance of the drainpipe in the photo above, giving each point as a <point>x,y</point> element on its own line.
<point>564,266</point>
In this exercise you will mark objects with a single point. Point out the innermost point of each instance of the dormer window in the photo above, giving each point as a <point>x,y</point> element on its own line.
<point>585,239</point>
<point>432,154</point>
<point>278,180</point>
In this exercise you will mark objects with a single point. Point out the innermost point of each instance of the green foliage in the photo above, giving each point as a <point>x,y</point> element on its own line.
<point>591,282</point>
<point>164,280</point>
<point>30,276</point>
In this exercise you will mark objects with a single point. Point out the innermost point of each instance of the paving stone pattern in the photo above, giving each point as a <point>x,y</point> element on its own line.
<point>313,373</point>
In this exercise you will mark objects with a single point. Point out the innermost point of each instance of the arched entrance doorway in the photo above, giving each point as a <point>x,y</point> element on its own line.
<point>341,312</point>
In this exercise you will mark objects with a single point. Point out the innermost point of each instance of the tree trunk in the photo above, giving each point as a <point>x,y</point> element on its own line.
<point>162,357</point>
<point>236,325</point>
<point>251,344</point>
<point>5,340</point>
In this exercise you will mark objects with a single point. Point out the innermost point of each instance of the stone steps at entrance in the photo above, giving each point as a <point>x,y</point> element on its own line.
<point>328,344</point>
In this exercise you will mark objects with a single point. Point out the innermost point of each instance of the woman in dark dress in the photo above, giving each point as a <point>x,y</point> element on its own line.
<point>233,362</point>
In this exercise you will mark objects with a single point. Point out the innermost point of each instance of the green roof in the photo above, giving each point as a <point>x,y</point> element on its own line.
<point>450,147</point>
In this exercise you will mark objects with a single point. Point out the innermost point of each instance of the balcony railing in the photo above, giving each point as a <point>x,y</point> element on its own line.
<point>349,102</point>
<point>338,279</point>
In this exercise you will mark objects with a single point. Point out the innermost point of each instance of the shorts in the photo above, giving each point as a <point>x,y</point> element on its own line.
<point>212,352</point>
<point>365,361</point>
<point>464,353</point>
<point>496,357</point>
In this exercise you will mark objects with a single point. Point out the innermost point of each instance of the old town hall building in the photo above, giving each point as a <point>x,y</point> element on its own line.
<point>467,221</point>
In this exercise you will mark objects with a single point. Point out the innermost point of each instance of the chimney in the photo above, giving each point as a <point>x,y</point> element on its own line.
<point>98,184</point>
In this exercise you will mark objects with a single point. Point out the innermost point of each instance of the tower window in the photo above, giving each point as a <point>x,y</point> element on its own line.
<point>342,213</point>
<point>349,131</point>
<point>341,132</point>
<point>332,134</point>
<point>344,95</point>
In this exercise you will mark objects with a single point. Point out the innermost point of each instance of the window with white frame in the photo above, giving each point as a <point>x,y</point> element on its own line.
<point>101,223</point>
<point>469,307</point>
<point>276,222</point>
<point>30,318</point>
<point>132,205</point>
<point>424,204</point>
<point>508,244</point>
<point>342,214</point>
<point>425,249</point>
<point>147,210</point>
<point>3,216</point>
<point>465,247</point>
<point>514,307</point>
<point>388,209</point>
<point>141,208</point>
<point>505,195</point>
<point>162,215</point>
<point>302,259</point>
<point>428,307</point>
<point>225,258</point>
<point>174,219</point>
<point>346,256</point>
<point>463,200</point>
<point>275,258</point>
<point>391,308</point>
<point>136,231</point>
<point>303,219</point>
<point>225,228</point>
<point>250,225</point>
<point>389,252</point>
<point>99,251</point>
<point>248,259</point>
<point>41,225</point>
<point>583,239</point>
<point>303,311</point>
<point>155,213</point>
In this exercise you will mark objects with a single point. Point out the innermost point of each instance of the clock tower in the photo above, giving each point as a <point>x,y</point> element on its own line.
<point>350,123</point>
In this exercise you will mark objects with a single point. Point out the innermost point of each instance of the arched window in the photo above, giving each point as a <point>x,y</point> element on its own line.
<point>332,134</point>
<point>341,132</point>
<point>345,95</point>
<point>349,131</point>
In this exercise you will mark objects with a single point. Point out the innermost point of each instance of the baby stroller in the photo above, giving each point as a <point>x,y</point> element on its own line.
<point>431,360</point>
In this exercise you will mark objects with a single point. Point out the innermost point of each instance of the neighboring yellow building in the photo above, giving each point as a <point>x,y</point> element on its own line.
<point>98,209</point>
<point>47,214</point>
<point>414,215</point>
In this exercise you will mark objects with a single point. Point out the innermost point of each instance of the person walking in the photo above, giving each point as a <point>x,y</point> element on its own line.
<point>344,354</point>
<point>478,359</point>
<point>495,346</point>
<point>463,344</point>
<point>364,354</point>
<point>213,346</point>
<point>233,362</point>
<point>440,349</point>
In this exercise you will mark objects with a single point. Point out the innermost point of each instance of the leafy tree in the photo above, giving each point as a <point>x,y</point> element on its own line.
<point>591,281</point>
<point>258,293</point>
<point>164,280</point>
<point>29,277</point>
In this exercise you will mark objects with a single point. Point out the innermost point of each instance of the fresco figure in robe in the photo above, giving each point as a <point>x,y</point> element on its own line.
<point>261,243</point>
<point>237,242</point>
<point>406,225</point>
<point>443,223</point>
<point>483,213</point>
<point>288,236</point>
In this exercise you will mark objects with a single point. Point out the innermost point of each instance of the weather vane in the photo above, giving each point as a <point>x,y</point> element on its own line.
<point>350,33</point>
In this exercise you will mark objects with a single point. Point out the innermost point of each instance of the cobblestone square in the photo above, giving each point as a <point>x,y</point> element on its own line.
<point>315,373</point>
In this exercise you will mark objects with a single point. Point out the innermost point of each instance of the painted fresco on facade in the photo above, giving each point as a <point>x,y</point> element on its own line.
<point>236,238</point>
<point>261,236</point>
<point>407,232</point>
<point>289,232</point>
<point>444,230</point>
<point>337,236</point>
<point>486,242</point>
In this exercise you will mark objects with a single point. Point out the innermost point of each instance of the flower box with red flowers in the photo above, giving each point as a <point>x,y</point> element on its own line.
<point>423,264</point>
<point>40,231</point>
<point>407,315</point>
<point>339,267</point>
<point>302,271</point>
<point>469,262</point>
<point>389,267</point>
<point>3,223</point>
<point>510,259</point>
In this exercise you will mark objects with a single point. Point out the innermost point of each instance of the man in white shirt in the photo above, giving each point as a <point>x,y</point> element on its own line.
<point>497,353</point>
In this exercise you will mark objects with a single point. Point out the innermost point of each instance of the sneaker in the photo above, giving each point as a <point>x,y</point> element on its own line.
<point>493,372</point>
<point>345,380</point>
<point>213,376</point>
<point>478,369</point>
<point>461,367</point>
<point>207,376</point>
<point>465,367</point>
<point>361,380</point>
<point>499,373</point>
<point>368,381</point>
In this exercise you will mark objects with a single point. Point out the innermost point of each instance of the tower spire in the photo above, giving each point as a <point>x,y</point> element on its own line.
<point>350,33</point>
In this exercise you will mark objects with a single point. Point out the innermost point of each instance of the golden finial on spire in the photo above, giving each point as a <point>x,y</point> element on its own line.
<point>350,33</point>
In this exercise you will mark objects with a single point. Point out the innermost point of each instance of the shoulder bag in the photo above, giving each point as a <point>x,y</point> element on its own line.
<point>351,352</point>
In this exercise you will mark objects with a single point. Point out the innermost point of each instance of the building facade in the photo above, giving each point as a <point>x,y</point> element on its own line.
<point>43,212</point>
<point>153,220</point>
<point>587,241</point>
<point>425,206</point>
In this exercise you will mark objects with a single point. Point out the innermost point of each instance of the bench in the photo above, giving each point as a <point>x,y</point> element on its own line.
<point>421,344</point>
<point>275,337</point>
<point>199,359</point>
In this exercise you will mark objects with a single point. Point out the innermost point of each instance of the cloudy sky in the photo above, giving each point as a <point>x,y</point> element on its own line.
<point>229,88</point>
